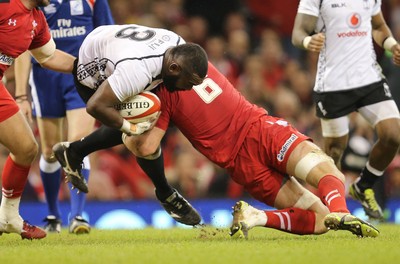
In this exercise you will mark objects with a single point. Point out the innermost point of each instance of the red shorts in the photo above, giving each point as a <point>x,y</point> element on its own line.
<point>260,165</point>
<point>8,106</point>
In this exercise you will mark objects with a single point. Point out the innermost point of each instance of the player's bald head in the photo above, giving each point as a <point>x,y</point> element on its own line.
<point>193,59</point>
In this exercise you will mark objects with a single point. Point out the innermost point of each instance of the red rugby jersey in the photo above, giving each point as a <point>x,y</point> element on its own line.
<point>20,29</point>
<point>213,116</point>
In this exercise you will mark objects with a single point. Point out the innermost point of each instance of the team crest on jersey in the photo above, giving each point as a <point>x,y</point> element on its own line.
<point>76,7</point>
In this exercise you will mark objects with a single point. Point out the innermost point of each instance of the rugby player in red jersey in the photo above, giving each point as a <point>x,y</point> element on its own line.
<point>260,152</point>
<point>22,27</point>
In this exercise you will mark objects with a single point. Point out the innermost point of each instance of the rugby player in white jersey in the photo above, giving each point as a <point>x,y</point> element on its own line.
<point>116,62</point>
<point>350,79</point>
<point>55,100</point>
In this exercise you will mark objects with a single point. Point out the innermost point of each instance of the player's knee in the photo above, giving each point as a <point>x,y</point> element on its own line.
<point>141,149</point>
<point>336,153</point>
<point>27,153</point>
<point>156,154</point>
<point>390,138</point>
<point>311,160</point>
<point>47,154</point>
<point>146,152</point>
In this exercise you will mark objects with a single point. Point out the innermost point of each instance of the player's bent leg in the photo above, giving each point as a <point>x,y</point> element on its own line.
<point>307,162</point>
<point>23,147</point>
<point>300,212</point>
<point>18,138</point>
<point>302,198</point>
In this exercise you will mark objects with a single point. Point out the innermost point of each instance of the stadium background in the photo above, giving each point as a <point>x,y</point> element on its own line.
<point>248,41</point>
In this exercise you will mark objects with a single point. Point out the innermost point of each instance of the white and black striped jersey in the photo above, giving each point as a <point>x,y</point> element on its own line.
<point>129,56</point>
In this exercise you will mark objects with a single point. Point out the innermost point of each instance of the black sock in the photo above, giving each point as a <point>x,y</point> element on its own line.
<point>367,180</point>
<point>102,138</point>
<point>155,170</point>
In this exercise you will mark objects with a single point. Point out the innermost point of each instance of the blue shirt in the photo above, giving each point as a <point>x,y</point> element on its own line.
<point>71,20</point>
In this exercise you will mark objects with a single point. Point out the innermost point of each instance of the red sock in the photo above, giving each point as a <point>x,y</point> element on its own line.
<point>332,193</point>
<point>14,178</point>
<point>292,220</point>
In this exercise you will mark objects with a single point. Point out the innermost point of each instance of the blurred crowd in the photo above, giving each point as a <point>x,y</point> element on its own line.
<point>249,42</point>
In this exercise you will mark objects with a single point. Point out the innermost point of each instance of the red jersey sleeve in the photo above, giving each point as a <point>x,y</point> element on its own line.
<point>41,33</point>
<point>20,29</point>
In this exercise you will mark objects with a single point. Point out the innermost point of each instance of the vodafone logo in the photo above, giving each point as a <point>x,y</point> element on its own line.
<point>354,20</point>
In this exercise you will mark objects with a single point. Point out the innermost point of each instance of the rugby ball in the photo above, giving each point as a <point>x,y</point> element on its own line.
<point>140,107</point>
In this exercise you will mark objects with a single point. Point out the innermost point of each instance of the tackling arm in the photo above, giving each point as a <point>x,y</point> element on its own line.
<point>146,144</point>
<point>53,59</point>
<point>22,71</point>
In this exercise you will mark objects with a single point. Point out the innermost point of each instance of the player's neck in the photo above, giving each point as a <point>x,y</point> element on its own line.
<point>29,4</point>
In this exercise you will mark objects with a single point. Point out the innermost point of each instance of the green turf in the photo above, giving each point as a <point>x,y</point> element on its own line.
<point>205,246</point>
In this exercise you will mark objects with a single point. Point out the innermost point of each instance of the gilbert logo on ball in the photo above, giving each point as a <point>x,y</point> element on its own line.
<point>140,107</point>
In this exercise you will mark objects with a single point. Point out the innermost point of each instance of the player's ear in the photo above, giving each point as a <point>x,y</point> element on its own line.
<point>174,69</point>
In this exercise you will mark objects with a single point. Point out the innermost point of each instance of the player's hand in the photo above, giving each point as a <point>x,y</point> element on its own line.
<point>25,107</point>
<point>140,128</point>
<point>317,42</point>
<point>396,54</point>
<point>153,120</point>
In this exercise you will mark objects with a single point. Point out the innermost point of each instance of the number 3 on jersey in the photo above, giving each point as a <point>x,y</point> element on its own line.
<point>208,90</point>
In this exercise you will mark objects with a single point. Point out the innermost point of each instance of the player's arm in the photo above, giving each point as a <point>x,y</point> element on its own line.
<point>53,59</point>
<point>384,38</point>
<point>302,35</point>
<point>146,144</point>
<point>101,106</point>
<point>22,70</point>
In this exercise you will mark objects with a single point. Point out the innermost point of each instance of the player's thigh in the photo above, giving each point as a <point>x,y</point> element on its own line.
<point>51,132</point>
<point>335,127</point>
<point>384,114</point>
<point>80,123</point>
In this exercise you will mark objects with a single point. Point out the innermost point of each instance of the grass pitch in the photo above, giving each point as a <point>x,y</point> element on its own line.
<point>202,245</point>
